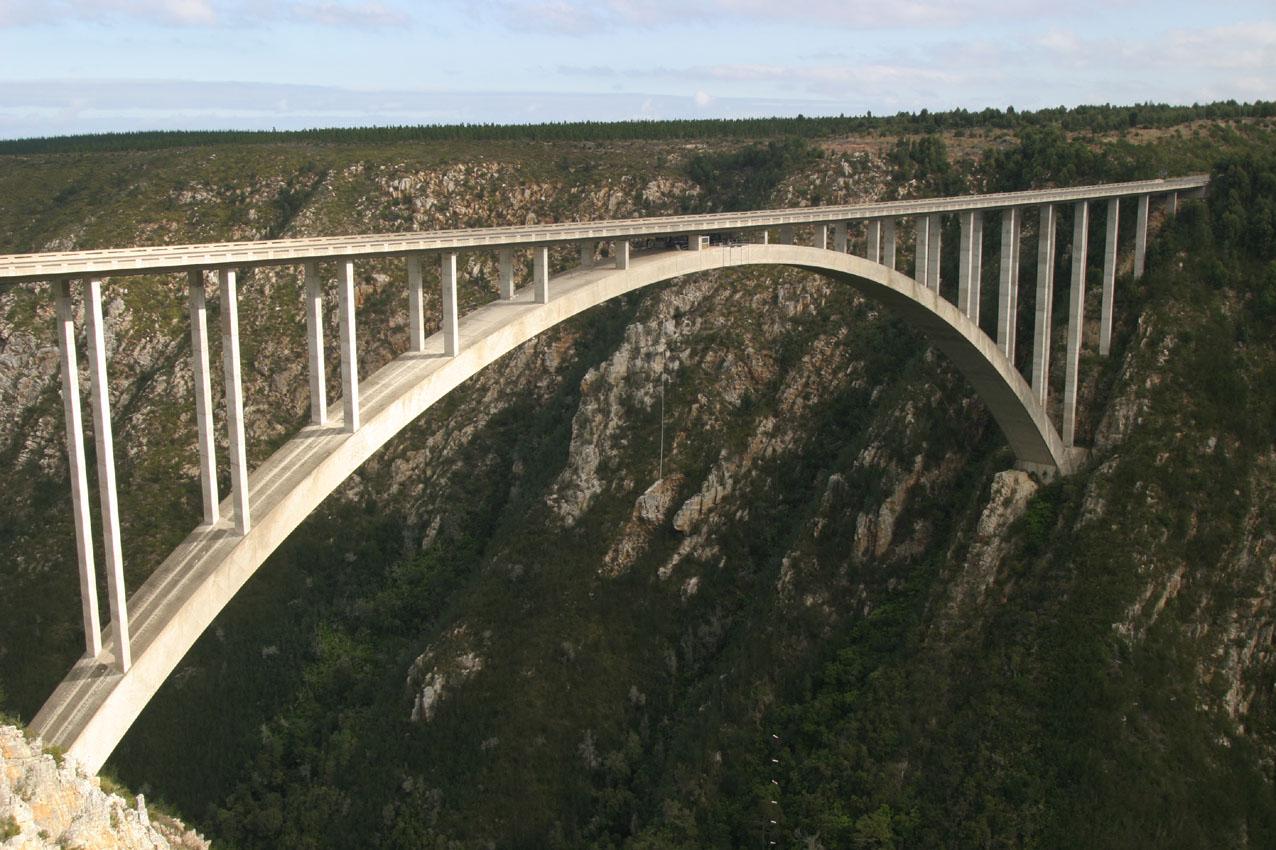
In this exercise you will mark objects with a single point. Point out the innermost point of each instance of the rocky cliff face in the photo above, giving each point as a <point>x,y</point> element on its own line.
<point>531,621</point>
<point>46,802</point>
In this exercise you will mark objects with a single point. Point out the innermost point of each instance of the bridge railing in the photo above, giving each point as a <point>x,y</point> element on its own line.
<point>877,238</point>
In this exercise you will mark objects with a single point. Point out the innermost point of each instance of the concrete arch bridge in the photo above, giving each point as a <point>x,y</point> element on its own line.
<point>150,630</point>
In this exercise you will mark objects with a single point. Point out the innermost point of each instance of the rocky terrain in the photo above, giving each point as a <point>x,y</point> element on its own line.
<point>47,802</point>
<point>528,622</point>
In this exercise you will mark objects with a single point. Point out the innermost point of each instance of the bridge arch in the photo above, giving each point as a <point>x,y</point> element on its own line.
<point>94,706</point>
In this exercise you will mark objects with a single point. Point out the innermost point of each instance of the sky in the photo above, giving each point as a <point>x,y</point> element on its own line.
<point>76,66</point>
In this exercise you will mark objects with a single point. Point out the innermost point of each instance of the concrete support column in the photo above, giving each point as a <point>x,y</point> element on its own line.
<point>888,243</point>
<point>971,272</point>
<point>79,476</point>
<point>977,266</point>
<point>349,346</point>
<point>506,262</point>
<point>314,342</point>
<point>105,445</point>
<point>935,252</point>
<point>540,275</point>
<point>1109,277</point>
<point>451,323</point>
<point>416,304</point>
<point>1141,237</point>
<point>234,390</point>
<point>1076,318</point>
<point>587,247</point>
<point>202,374</point>
<point>820,238</point>
<point>840,241</point>
<point>764,237</point>
<point>694,241</point>
<point>1008,294</point>
<point>873,237</point>
<point>921,251</point>
<point>786,234</point>
<point>621,249</point>
<point>966,262</point>
<point>1045,299</point>
<point>1171,204</point>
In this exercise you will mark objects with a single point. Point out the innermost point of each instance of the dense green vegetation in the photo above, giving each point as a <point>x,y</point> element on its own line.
<point>1100,118</point>
<point>746,179</point>
<point>1036,740</point>
<point>622,711</point>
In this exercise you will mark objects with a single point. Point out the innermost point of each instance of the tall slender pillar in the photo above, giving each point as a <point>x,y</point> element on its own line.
<point>873,235</point>
<point>786,234</point>
<point>888,243</point>
<point>506,262</point>
<point>416,304</point>
<point>921,251</point>
<point>1045,299</point>
<point>1008,294</point>
<point>349,347</point>
<point>820,238</point>
<point>76,466</point>
<point>587,247</point>
<point>621,249</point>
<point>1109,277</point>
<point>966,264</point>
<point>105,445</point>
<point>540,275</point>
<point>839,237</point>
<point>977,267</point>
<point>314,342</point>
<point>1141,237</point>
<point>935,251</point>
<point>451,325</point>
<point>234,389</point>
<point>202,374</point>
<point>1076,319</point>
<point>1172,203</point>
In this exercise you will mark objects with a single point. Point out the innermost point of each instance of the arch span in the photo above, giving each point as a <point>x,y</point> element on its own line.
<point>95,704</point>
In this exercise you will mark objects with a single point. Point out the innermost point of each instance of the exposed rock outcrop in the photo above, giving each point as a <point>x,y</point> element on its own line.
<point>437,670</point>
<point>1007,497</point>
<point>47,802</point>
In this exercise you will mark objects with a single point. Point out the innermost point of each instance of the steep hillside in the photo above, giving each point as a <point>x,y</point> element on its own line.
<point>518,627</point>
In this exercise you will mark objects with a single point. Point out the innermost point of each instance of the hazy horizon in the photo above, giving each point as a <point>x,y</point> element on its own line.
<point>89,66</point>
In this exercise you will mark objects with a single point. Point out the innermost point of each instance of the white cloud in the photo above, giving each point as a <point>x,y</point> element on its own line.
<point>1054,66</point>
<point>702,98</point>
<point>59,107</point>
<point>1240,47</point>
<point>201,13</point>
<point>581,17</point>
<point>820,80</point>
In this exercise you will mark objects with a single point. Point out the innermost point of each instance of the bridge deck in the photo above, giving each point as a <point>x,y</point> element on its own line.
<point>17,268</point>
